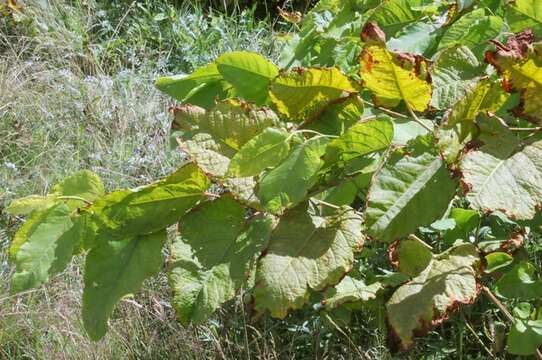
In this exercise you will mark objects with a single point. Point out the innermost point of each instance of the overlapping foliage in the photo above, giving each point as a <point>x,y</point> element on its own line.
<point>400,124</point>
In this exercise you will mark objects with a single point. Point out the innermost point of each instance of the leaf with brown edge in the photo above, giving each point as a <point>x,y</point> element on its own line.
<point>448,281</point>
<point>395,77</point>
<point>521,69</point>
<point>306,251</point>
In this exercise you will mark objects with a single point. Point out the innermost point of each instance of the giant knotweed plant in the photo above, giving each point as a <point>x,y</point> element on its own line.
<point>407,125</point>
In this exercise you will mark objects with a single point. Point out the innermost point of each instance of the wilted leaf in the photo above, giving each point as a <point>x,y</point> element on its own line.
<point>521,68</point>
<point>503,180</point>
<point>305,251</point>
<point>424,302</point>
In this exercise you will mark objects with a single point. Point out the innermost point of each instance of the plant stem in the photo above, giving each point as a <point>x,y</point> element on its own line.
<point>415,117</point>
<point>526,129</point>
<point>387,111</point>
<point>414,237</point>
<point>75,198</point>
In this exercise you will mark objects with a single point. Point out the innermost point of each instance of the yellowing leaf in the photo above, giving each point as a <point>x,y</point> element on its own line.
<point>394,78</point>
<point>303,93</point>
<point>521,69</point>
<point>485,96</point>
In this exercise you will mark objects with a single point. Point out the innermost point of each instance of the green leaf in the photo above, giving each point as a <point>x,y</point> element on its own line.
<point>466,221</point>
<point>113,270</point>
<point>288,184</point>
<point>448,280</point>
<point>393,78</point>
<point>520,283</point>
<point>305,251</point>
<point>497,260</point>
<point>411,256</point>
<point>304,93</point>
<point>265,150</point>
<point>522,311</point>
<point>351,290</point>
<point>361,139</point>
<point>454,71</point>
<point>37,245</point>
<point>486,96</point>
<point>249,73</point>
<point>396,13</point>
<point>29,204</point>
<point>525,337</point>
<point>524,14</point>
<point>213,257</point>
<point>417,38</point>
<point>202,88</point>
<point>149,209</point>
<point>408,192</point>
<point>406,130</point>
<point>84,184</point>
<point>472,29</point>
<point>509,183</point>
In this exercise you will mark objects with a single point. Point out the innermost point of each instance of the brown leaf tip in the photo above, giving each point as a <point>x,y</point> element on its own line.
<point>372,33</point>
<point>516,47</point>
